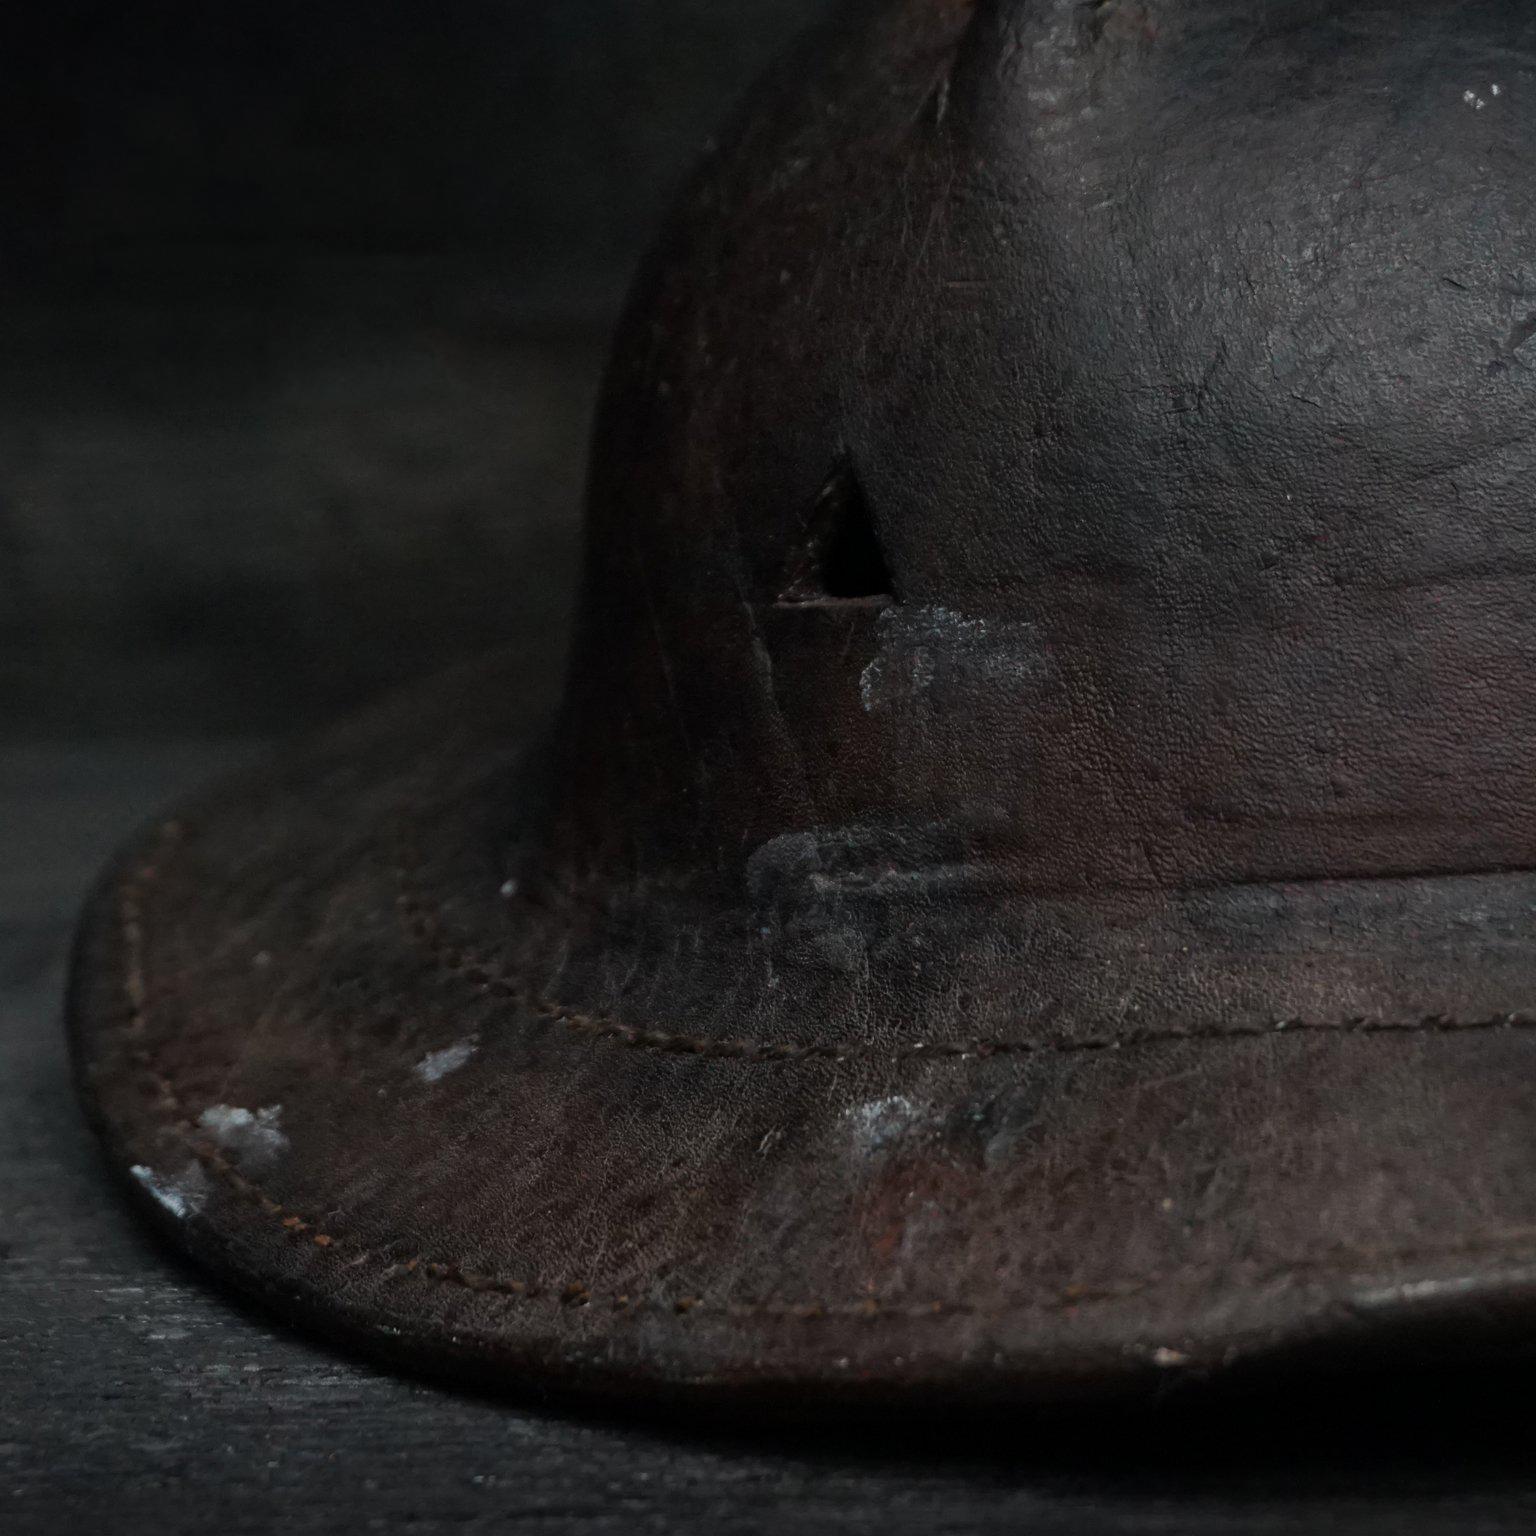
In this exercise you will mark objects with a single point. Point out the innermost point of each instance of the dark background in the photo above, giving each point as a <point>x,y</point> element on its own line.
<point>301,314</point>
<point>303,308</point>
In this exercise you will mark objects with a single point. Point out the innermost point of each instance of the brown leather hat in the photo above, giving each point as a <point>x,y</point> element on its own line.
<point>1030,888</point>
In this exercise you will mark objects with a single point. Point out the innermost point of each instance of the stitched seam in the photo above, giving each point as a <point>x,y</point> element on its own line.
<point>422,920</point>
<point>136,990</point>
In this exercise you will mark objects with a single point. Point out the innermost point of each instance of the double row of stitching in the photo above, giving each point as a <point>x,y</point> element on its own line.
<point>423,922</point>
<point>176,1119</point>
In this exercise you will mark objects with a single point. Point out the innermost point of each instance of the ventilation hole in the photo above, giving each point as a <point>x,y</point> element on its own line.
<point>841,557</point>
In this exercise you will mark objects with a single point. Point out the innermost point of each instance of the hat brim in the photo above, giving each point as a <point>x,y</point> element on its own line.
<point>323,1059</point>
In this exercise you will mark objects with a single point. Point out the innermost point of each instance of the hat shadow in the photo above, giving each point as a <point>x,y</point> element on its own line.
<point>1306,1436</point>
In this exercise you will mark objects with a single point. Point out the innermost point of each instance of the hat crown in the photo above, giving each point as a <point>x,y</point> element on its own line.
<point>1092,440</point>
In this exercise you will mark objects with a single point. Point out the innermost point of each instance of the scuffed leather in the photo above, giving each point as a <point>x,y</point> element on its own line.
<point>1106,956</point>
<point>1179,351</point>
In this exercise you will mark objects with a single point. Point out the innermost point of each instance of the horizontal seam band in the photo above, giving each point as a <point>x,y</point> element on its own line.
<point>422,920</point>
<point>134,938</point>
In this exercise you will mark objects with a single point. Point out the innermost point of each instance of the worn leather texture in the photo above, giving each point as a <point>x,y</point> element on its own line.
<point>1028,890</point>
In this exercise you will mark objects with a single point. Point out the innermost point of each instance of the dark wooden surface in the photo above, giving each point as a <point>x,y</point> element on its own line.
<point>134,1397</point>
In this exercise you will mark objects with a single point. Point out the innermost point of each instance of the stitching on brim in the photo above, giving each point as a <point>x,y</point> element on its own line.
<point>133,931</point>
<point>422,920</point>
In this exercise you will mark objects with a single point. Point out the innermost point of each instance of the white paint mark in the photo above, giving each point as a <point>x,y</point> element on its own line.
<point>881,1121</point>
<point>508,889</point>
<point>920,646</point>
<point>1496,89</point>
<point>254,1136</point>
<point>182,1196</point>
<point>1474,101</point>
<point>438,1064</point>
<point>1419,1291</point>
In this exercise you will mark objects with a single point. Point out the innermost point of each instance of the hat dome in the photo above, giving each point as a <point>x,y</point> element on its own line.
<point>1100,432</point>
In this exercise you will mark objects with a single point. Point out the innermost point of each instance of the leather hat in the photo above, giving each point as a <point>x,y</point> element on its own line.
<point>1029,889</point>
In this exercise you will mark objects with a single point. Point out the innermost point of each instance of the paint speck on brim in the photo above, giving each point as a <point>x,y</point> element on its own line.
<point>879,1122</point>
<point>183,1195</point>
<point>438,1064</point>
<point>254,1136</point>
